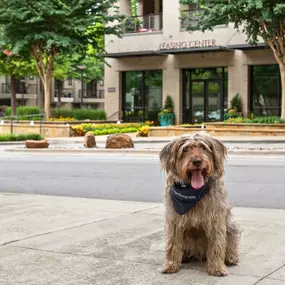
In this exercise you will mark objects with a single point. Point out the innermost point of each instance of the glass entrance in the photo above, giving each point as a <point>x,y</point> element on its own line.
<point>204,95</point>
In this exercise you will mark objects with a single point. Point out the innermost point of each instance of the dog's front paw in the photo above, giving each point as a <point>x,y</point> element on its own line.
<point>169,267</point>
<point>232,260</point>
<point>218,271</point>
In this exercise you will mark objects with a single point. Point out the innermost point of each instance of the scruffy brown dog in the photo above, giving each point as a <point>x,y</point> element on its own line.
<point>198,220</point>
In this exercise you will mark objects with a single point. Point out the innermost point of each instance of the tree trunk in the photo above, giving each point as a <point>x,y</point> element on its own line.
<point>47,97</point>
<point>282,73</point>
<point>13,95</point>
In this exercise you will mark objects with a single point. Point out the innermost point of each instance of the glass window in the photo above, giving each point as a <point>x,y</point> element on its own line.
<point>142,95</point>
<point>266,90</point>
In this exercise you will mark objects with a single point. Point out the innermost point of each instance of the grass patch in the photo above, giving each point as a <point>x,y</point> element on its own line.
<point>11,138</point>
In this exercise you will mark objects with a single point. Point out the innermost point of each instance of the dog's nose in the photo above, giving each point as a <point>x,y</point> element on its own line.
<point>197,162</point>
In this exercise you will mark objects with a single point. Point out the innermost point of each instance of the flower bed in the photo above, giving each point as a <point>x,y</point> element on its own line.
<point>105,129</point>
<point>256,120</point>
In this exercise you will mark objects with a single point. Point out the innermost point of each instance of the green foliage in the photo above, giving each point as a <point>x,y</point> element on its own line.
<point>79,114</point>
<point>83,114</point>
<point>56,26</point>
<point>236,103</point>
<point>105,129</point>
<point>49,28</point>
<point>257,120</point>
<point>168,103</point>
<point>9,138</point>
<point>25,112</point>
<point>263,18</point>
<point>61,112</point>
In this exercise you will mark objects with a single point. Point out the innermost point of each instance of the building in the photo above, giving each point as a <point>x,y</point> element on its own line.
<point>156,57</point>
<point>30,89</point>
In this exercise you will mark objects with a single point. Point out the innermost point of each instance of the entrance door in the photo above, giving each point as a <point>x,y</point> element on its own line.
<point>204,94</point>
<point>206,97</point>
<point>213,100</point>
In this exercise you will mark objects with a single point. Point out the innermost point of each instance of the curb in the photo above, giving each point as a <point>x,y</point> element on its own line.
<point>136,151</point>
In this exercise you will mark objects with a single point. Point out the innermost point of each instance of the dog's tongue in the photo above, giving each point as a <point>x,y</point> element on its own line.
<point>197,180</point>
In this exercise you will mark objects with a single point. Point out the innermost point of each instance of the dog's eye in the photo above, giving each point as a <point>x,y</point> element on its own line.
<point>185,149</point>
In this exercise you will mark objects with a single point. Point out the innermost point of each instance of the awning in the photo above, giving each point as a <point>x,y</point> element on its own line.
<point>248,47</point>
<point>132,54</point>
<point>194,50</point>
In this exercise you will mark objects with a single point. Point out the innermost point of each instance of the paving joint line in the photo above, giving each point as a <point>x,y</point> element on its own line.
<point>123,260</point>
<point>268,275</point>
<point>61,230</point>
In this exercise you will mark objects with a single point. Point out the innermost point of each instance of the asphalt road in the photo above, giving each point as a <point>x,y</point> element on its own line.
<point>251,182</point>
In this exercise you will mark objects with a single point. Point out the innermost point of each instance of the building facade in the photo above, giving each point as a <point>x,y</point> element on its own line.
<point>202,72</point>
<point>30,91</point>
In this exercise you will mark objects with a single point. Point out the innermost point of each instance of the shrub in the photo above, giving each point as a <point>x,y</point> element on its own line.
<point>103,129</point>
<point>168,103</point>
<point>7,138</point>
<point>91,114</point>
<point>24,111</point>
<point>79,114</point>
<point>61,112</point>
<point>236,103</point>
<point>257,120</point>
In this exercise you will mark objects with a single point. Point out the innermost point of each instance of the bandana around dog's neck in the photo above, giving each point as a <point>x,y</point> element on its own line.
<point>185,197</point>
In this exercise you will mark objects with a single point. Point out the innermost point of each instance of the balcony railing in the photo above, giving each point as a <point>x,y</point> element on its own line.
<point>66,93</point>
<point>20,89</point>
<point>88,94</point>
<point>189,18</point>
<point>143,24</point>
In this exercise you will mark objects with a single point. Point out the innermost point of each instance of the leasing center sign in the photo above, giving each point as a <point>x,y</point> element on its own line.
<point>186,44</point>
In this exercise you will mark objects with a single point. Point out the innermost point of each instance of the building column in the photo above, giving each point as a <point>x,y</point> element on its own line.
<point>238,81</point>
<point>112,87</point>
<point>172,87</point>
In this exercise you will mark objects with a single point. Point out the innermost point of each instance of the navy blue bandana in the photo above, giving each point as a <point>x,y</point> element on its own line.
<point>185,197</point>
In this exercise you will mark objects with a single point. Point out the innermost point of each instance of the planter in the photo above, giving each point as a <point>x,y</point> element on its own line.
<point>221,129</point>
<point>166,119</point>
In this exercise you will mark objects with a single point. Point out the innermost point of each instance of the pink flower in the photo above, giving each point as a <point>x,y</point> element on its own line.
<point>8,53</point>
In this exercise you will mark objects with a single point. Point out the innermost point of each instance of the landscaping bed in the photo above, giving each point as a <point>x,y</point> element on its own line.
<point>14,137</point>
<point>105,129</point>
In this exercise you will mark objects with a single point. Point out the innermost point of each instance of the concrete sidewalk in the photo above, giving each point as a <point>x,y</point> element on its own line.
<point>59,241</point>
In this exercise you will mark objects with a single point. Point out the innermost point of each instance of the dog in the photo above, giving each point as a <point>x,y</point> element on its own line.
<point>198,220</point>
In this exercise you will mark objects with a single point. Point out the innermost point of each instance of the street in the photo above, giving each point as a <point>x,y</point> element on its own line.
<point>251,181</point>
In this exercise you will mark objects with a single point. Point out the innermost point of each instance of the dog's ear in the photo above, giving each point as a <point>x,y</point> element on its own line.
<point>167,156</point>
<point>219,155</point>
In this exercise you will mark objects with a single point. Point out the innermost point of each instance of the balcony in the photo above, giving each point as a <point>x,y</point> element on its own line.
<point>91,96</point>
<point>66,97</point>
<point>143,24</point>
<point>27,91</point>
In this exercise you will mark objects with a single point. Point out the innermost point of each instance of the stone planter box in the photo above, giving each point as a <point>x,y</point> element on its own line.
<point>221,129</point>
<point>46,130</point>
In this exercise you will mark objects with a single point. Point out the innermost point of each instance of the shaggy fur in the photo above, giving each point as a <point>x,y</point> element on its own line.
<point>207,232</point>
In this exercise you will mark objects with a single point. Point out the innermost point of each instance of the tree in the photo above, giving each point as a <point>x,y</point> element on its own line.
<point>258,19</point>
<point>66,66</point>
<point>49,28</point>
<point>15,67</point>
